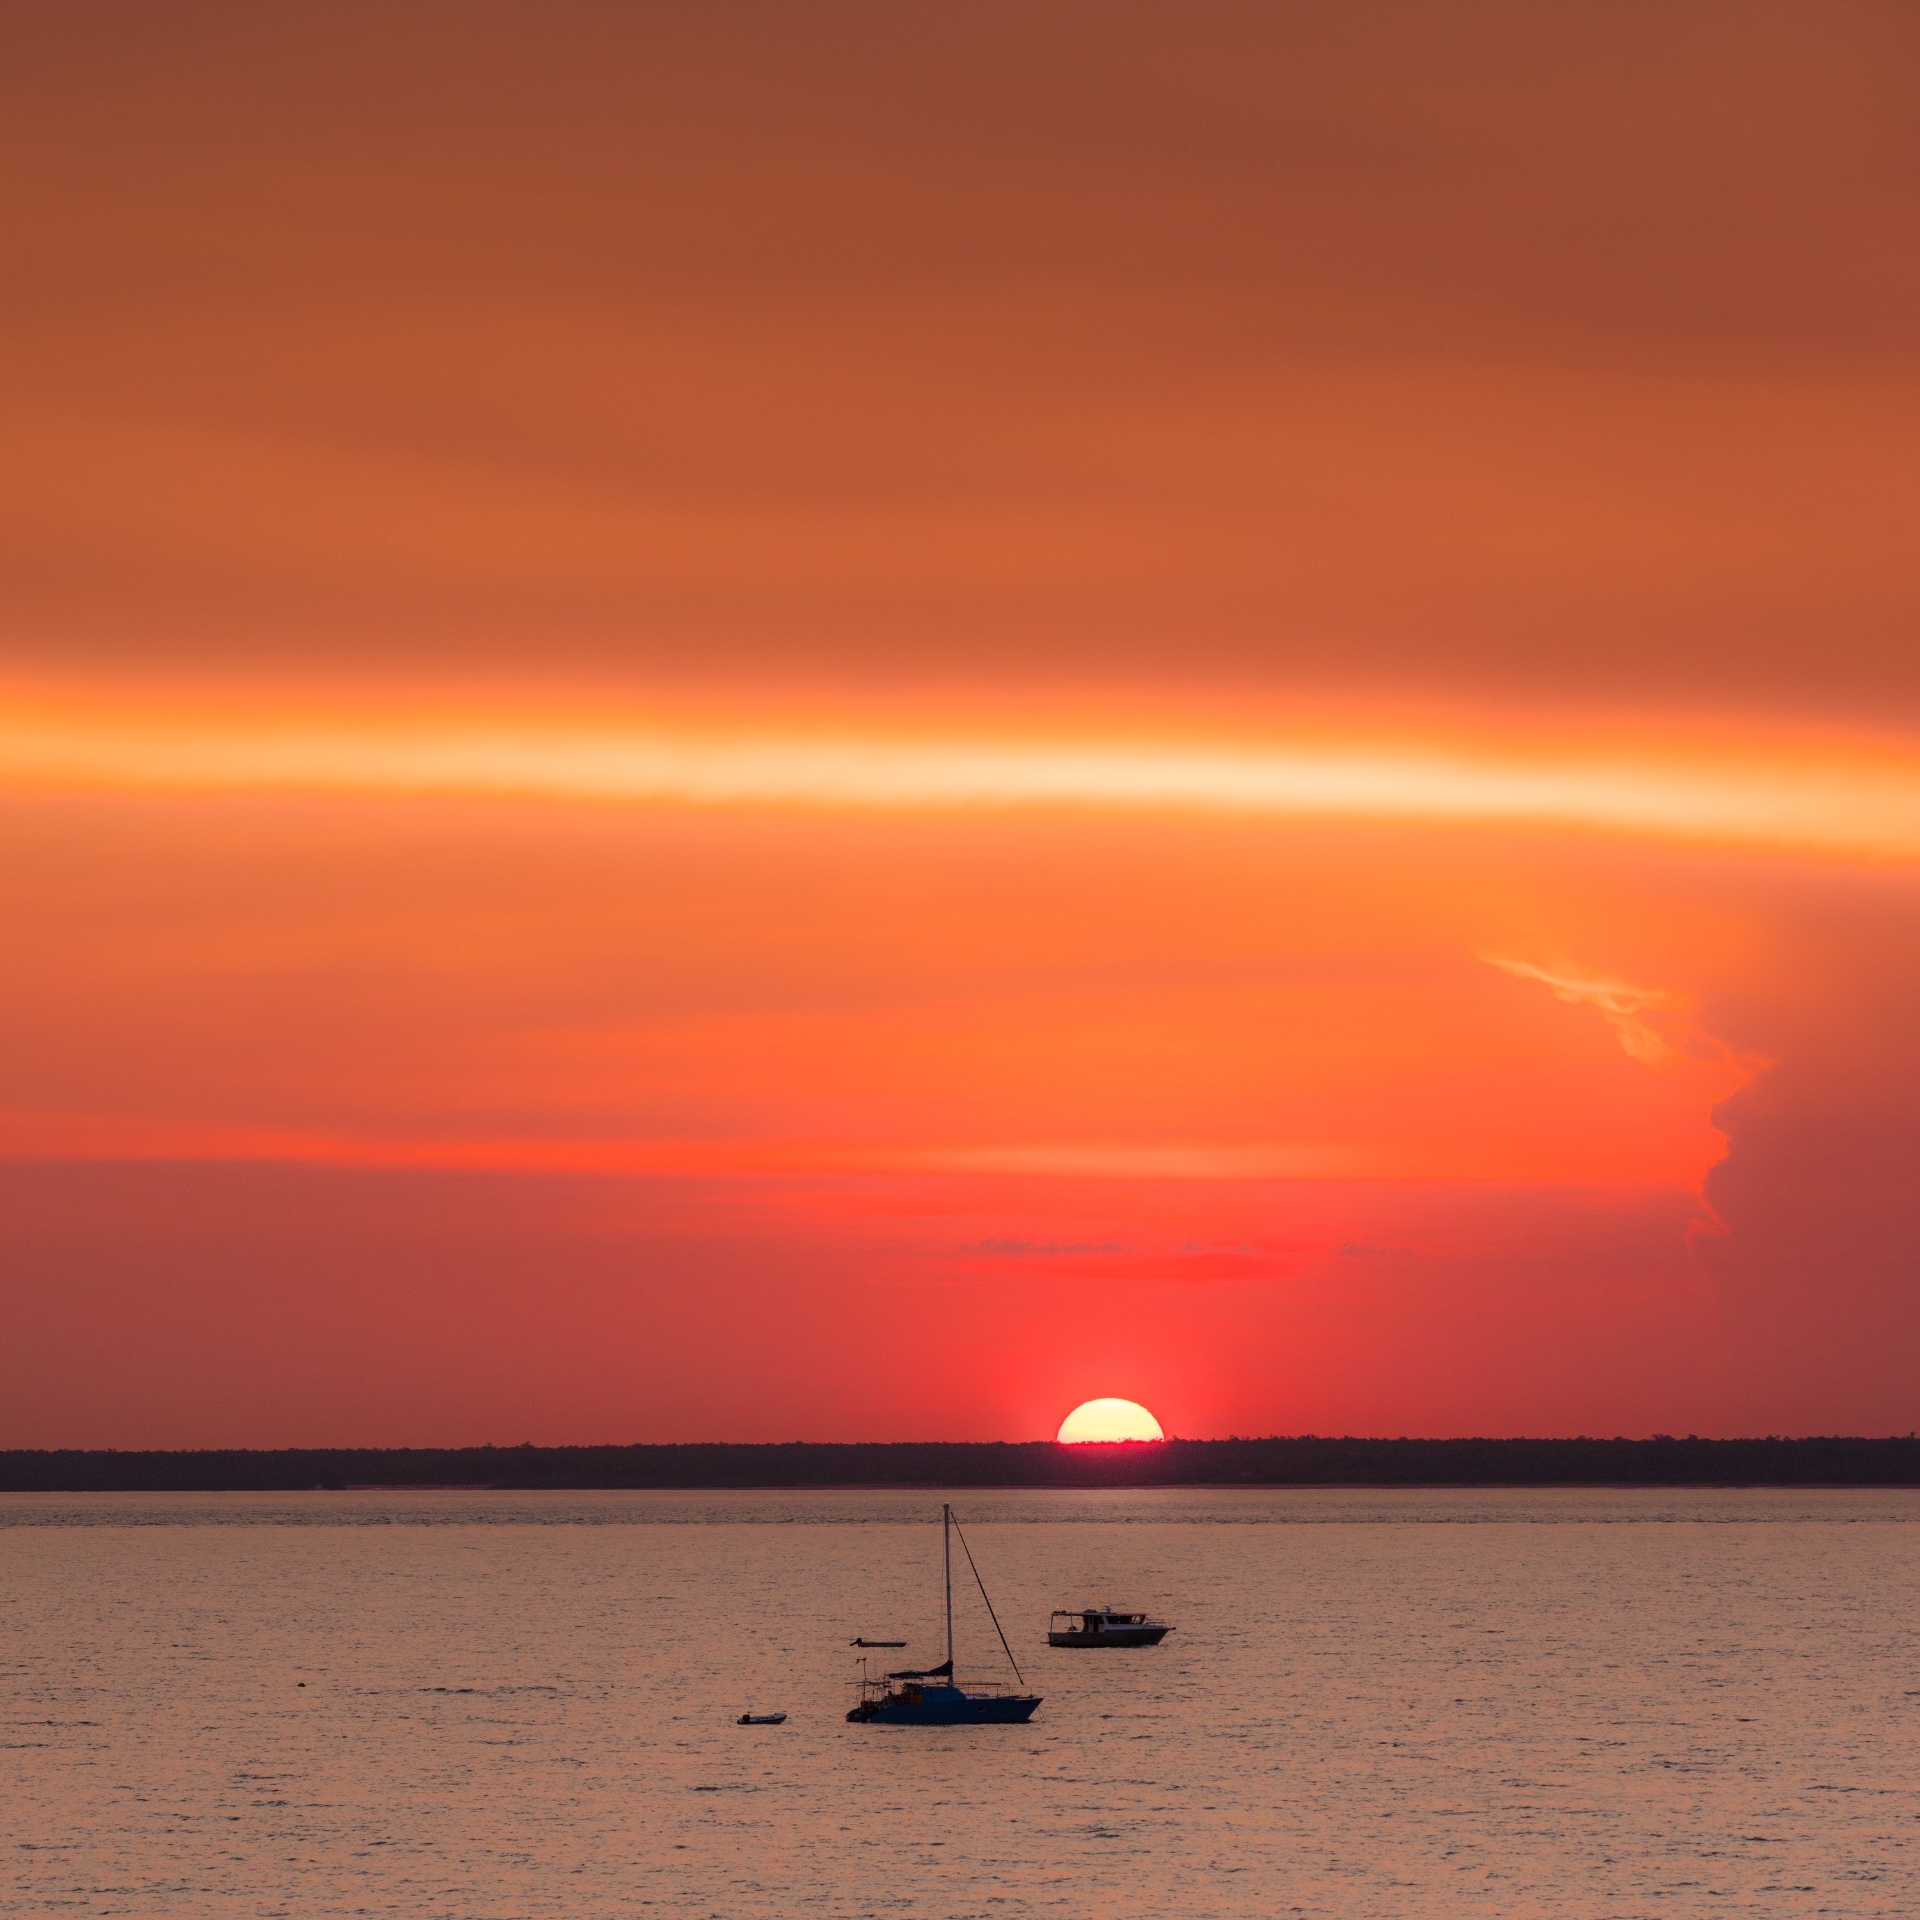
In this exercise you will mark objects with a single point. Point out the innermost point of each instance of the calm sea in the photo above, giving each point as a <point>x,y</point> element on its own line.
<point>1374,1704</point>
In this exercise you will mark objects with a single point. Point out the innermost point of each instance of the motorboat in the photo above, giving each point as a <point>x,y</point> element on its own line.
<point>1105,1627</point>
<point>932,1696</point>
<point>761,1720</point>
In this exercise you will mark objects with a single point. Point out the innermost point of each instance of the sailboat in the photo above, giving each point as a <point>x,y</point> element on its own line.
<point>930,1696</point>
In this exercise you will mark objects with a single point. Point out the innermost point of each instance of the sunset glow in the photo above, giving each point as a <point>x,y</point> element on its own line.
<point>702,719</point>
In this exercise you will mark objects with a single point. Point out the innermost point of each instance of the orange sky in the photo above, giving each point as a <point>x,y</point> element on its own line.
<point>729,723</point>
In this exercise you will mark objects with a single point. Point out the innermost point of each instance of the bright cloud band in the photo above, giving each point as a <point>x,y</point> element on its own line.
<point>1827,799</point>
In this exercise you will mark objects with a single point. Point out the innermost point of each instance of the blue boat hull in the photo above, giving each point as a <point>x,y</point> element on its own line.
<point>948,1707</point>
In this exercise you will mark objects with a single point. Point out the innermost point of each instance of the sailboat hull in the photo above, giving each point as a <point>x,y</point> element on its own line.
<point>948,1707</point>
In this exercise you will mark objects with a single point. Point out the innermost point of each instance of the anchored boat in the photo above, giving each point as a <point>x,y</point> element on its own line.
<point>930,1696</point>
<point>1105,1627</point>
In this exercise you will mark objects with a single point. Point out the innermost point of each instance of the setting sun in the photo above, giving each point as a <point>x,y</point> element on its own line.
<point>1108,1420</point>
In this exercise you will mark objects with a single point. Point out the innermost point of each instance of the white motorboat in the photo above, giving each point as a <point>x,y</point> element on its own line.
<point>1105,1627</point>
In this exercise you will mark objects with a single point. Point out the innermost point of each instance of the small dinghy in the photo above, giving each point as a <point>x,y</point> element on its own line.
<point>1105,1627</point>
<point>761,1720</point>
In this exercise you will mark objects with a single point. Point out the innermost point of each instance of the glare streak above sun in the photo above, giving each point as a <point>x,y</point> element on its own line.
<point>1835,797</point>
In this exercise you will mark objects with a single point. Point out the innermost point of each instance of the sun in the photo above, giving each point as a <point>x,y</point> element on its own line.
<point>1108,1420</point>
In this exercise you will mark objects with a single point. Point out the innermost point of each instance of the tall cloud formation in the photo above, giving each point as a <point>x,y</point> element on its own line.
<point>1820,1264</point>
<point>684,689</point>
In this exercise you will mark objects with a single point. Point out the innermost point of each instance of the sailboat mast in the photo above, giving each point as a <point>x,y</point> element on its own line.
<point>946,1566</point>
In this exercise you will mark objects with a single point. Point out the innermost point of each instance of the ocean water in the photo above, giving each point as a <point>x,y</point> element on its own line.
<point>1392,1704</point>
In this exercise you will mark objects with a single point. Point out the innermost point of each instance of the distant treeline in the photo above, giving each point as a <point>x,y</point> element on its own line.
<point>1306,1462</point>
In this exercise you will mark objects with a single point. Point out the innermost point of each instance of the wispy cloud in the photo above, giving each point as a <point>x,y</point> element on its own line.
<point>1004,1249</point>
<point>1622,1005</point>
<point>83,1136</point>
<point>1198,1160</point>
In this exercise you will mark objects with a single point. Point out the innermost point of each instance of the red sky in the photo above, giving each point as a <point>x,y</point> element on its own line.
<point>844,723</point>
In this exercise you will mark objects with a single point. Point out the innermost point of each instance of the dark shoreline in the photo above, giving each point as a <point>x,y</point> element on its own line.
<point>1307,1462</point>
